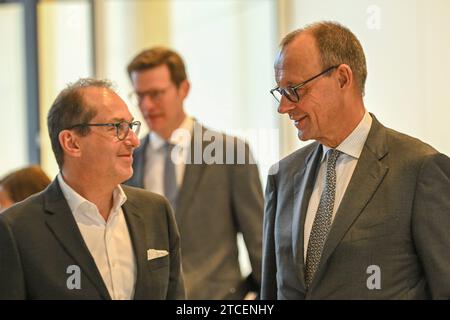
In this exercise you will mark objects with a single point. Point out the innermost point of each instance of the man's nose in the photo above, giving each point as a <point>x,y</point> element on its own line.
<point>132,139</point>
<point>146,103</point>
<point>285,105</point>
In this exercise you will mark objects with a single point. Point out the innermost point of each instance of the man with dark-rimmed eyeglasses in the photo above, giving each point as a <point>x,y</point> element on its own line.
<point>363,212</point>
<point>87,236</point>
<point>291,92</point>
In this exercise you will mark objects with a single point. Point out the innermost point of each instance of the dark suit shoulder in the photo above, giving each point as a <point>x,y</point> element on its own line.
<point>408,145</point>
<point>409,152</point>
<point>147,204</point>
<point>398,150</point>
<point>26,211</point>
<point>300,154</point>
<point>234,149</point>
<point>226,137</point>
<point>290,164</point>
<point>139,195</point>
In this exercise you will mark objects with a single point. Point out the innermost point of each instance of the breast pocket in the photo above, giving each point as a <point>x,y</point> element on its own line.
<point>377,230</point>
<point>157,263</point>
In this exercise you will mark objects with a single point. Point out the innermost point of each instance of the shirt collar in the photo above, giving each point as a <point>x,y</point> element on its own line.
<point>354,143</point>
<point>119,198</point>
<point>75,200</point>
<point>178,137</point>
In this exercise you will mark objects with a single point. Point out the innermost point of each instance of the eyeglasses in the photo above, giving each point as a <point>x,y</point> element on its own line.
<point>122,127</point>
<point>154,95</point>
<point>291,92</point>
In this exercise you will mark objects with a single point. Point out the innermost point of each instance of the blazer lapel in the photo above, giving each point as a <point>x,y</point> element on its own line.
<point>303,186</point>
<point>138,239</point>
<point>139,163</point>
<point>61,222</point>
<point>368,175</point>
<point>192,173</point>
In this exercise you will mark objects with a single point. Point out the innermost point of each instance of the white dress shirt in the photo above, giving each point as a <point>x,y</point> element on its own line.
<point>351,149</point>
<point>155,156</point>
<point>108,241</point>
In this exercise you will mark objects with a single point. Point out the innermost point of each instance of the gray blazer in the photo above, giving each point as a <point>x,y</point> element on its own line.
<point>215,202</point>
<point>395,215</point>
<point>39,239</point>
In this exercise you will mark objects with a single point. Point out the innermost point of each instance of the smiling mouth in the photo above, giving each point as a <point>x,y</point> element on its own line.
<point>298,120</point>
<point>153,116</point>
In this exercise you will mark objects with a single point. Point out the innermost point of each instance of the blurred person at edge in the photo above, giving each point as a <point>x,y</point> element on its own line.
<point>20,184</point>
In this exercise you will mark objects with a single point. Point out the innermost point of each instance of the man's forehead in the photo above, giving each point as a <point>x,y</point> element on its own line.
<point>152,75</point>
<point>100,97</point>
<point>301,55</point>
<point>96,93</point>
<point>104,100</point>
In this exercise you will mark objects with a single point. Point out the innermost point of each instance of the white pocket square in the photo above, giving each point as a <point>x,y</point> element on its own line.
<point>153,254</point>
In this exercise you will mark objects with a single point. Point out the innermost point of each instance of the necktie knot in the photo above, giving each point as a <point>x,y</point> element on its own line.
<point>168,146</point>
<point>333,155</point>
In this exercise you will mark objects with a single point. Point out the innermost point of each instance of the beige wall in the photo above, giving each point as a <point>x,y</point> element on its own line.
<point>230,63</point>
<point>407,49</point>
<point>65,54</point>
<point>13,129</point>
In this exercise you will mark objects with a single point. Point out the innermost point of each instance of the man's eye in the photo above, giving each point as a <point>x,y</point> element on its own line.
<point>156,94</point>
<point>302,90</point>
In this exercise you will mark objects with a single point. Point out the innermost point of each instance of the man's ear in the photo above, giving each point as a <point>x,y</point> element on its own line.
<point>185,86</point>
<point>69,142</point>
<point>345,76</point>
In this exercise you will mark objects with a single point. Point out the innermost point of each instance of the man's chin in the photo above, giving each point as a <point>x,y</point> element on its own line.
<point>301,135</point>
<point>126,175</point>
<point>156,124</point>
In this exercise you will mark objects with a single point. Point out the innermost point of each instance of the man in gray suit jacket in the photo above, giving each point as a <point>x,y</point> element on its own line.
<point>363,212</point>
<point>86,236</point>
<point>216,191</point>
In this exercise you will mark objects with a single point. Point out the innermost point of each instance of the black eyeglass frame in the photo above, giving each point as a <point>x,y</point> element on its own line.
<point>117,125</point>
<point>154,95</point>
<point>294,88</point>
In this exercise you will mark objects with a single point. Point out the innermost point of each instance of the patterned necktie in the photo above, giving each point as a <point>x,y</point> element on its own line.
<point>170,179</point>
<point>322,221</point>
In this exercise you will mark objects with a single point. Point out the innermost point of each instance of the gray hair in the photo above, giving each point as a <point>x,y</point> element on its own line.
<point>337,45</point>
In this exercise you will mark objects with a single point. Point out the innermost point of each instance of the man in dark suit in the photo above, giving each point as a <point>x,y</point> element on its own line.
<point>86,236</point>
<point>364,211</point>
<point>214,187</point>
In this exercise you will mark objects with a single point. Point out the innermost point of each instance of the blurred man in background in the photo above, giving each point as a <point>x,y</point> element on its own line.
<point>213,200</point>
<point>20,184</point>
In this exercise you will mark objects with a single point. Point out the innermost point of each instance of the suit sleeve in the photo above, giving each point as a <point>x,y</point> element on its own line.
<point>11,276</point>
<point>431,223</point>
<point>247,206</point>
<point>176,290</point>
<point>269,268</point>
